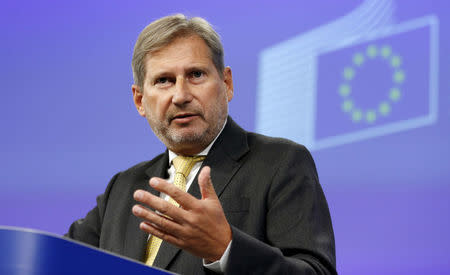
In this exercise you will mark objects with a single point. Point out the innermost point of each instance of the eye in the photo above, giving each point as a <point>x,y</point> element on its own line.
<point>197,74</point>
<point>162,80</point>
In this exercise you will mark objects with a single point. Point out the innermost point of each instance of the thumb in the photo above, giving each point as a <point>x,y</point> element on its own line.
<point>205,184</point>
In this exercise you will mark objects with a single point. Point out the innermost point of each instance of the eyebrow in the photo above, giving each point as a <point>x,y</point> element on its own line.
<point>190,68</point>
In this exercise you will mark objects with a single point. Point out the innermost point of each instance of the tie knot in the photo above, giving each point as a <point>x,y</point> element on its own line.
<point>183,165</point>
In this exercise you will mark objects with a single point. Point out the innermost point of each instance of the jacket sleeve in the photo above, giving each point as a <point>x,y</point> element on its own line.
<point>299,238</point>
<point>88,229</point>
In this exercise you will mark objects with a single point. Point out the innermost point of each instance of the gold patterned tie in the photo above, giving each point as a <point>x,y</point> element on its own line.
<point>183,166</point>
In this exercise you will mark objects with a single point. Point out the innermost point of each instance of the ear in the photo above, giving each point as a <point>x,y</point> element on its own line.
<point>137,98</point>
<point>228,81</point>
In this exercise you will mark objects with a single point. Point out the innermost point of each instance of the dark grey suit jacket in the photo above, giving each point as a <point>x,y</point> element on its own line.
<point>270,193</point>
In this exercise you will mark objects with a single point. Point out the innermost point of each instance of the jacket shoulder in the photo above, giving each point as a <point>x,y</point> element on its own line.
<point>277,144</point>
<point>142,166</point>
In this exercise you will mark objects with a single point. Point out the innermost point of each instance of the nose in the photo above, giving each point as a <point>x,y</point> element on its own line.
<point>182,93</point>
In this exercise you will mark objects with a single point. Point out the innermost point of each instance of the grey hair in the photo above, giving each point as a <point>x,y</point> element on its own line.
<point>163,31</point>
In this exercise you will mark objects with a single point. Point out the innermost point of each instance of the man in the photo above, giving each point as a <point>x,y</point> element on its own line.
<point>254,203</point>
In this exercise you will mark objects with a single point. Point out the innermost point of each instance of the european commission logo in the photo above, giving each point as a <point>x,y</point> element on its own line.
<point>392,63</point>
<point>382,85</point>
<point>372,84</point>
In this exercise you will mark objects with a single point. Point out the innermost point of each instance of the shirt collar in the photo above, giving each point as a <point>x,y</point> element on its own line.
<point>205,151</point>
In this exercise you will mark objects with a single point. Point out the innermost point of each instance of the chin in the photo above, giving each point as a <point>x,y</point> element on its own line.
<point>187,137</point>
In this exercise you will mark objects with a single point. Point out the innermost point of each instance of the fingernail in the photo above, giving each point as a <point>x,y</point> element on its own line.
<point>144,225</point>
<point>138,195</point>
<point>137,209</point>
<point>154,182</point>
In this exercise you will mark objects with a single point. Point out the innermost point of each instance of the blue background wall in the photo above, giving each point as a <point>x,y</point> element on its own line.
<point>68,123</point>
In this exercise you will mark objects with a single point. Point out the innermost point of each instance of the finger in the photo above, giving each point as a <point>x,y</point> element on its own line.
<point>183,198</point>
<point>158,221</point>
<point>160,205</point>
<point>160,233</point>
<point>205,183</point>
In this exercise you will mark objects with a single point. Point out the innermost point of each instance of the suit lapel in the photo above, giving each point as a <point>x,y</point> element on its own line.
<point>136,239</point>
<point>223,158</point>
<point>225,155</point>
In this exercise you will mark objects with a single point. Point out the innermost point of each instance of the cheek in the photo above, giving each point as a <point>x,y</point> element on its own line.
<point>212,94</point>
<point>156,106</point>
<point>146,103</point>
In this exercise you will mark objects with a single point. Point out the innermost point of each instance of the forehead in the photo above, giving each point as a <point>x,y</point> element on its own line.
<point>181,51</point>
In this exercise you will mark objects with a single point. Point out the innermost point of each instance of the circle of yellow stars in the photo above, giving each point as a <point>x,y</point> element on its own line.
<point>348,74</point>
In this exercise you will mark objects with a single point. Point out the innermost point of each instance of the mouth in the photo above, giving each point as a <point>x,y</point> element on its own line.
<point>184,117</point>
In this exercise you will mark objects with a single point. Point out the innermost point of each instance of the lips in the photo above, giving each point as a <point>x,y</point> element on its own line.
<point>184,117</point>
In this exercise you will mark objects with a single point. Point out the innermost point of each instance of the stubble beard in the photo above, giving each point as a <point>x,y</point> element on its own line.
<point>176,139</point>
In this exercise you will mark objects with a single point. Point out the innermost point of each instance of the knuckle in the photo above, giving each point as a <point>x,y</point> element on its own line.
<point>181,243</point>
<point>176,193</point>
<point>162,235</point>
<point>164,208</point>
<point>145,198</point>
<point>193,219</point>
<point>196,207</point>
<point>150,216</point>
<point>162,222</point>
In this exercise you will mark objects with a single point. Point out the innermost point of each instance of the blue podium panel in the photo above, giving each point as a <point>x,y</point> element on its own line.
<point>29,252</point>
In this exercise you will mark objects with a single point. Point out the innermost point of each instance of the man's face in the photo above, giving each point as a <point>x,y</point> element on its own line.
<point>184,98</point>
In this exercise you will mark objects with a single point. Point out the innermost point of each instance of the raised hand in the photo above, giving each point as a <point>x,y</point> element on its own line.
<point>198,226</point>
